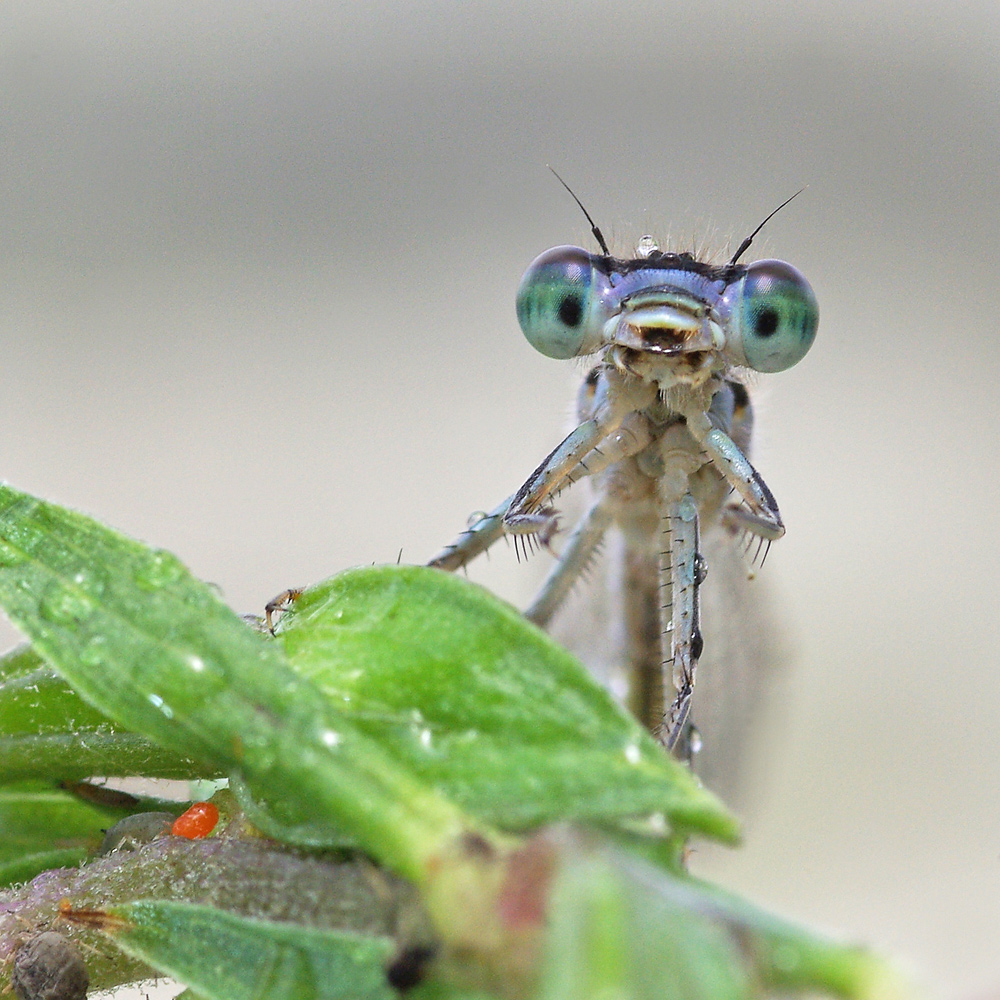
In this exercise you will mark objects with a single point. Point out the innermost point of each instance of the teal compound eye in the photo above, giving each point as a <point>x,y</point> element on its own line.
<point>774,316</point>
<point>561,303</point>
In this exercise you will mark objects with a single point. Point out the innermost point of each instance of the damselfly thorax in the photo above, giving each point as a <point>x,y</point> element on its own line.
<point>663,433</point>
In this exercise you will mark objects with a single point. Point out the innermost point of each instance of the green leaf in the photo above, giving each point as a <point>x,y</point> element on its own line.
<point>157,651</point>
<point>35,820</point>
<point>620,927</point>
<point>222,956</point>
<point>790,957</point>
<point>612,935</point>
<point>48,731</point>
<point>458,687</point>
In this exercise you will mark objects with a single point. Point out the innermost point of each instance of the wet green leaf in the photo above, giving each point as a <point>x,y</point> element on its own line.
<point>477,701</point>
<point>48,731</point>
<point>157,651</point>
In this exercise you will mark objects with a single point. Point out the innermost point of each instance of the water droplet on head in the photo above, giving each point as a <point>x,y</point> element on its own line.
<point>64,606</point>
<point>474,518</point>
<point>646,247</point>
<point>159,569</point>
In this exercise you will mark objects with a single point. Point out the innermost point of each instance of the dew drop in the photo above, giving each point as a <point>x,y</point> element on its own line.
<point>196,663</point>
<point>330,738</point>
<point>160,569</point>
<point>425,738</point>
<point>156,700</point>
<point>474,518</point>
<point>90,581</point>
<point>646,247</point>
<point>64,606</point>
<point>632,753</point>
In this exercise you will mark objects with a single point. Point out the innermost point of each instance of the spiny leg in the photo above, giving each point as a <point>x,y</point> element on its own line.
<point>682,570</point>
<point>614,400</point>
<point>580,548</point>
<point>476,539</point>
<point>609,435</point>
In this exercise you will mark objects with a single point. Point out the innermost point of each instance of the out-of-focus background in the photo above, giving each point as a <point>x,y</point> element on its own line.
<point>257,268</point>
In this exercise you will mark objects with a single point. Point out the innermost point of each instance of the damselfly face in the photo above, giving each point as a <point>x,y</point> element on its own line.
<point>663,435</point>
<point>703,317</point>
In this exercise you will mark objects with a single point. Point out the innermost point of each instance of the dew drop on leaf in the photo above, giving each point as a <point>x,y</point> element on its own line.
<point>65,606</point>
<point>159,570</point>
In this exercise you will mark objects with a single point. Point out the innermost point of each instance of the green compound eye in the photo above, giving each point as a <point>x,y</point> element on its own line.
<point>774,316</point>
<point>560,303</point>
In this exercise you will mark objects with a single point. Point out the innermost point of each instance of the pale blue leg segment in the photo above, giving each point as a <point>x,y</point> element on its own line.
<point>741,475</point>
<point>682,571</point>
<point>476,539</point>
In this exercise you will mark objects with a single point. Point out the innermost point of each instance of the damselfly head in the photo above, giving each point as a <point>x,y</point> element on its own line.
<point>762,315</point>
<point>694,316</point>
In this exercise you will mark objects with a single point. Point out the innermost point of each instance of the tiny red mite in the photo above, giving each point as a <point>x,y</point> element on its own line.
<point>198,821</point>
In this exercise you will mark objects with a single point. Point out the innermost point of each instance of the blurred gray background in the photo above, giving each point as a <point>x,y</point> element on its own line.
<point>256,306</point>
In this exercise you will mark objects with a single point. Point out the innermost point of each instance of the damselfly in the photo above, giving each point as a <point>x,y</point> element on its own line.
<point>664,432</point>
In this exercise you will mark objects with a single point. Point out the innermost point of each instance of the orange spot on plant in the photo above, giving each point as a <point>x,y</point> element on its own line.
<point>198,821</point>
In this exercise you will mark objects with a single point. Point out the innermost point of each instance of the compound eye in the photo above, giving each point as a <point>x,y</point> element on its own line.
<point>775,317</point>
<point>560,303</point>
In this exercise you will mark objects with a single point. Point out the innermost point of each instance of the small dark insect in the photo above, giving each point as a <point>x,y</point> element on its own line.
<point>49,967</point>
<point>279,605</point>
